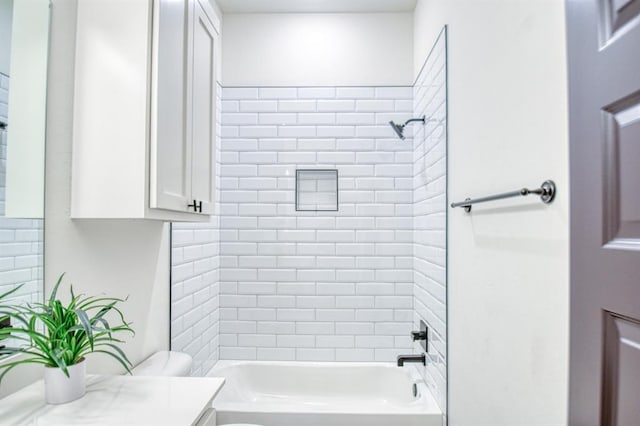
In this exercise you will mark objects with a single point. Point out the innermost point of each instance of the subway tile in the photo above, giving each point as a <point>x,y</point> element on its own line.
<point>316,144</point>
<point>296,131</point>
<point>258,131</point>
<point>375,132</point>
<point>377,314</point>
<point>335,315</point>
<point>315,354</point>
<point>355,93</point>
<point>367,105</point>
<point>315,302</point>
<point>238,353</point>
<point>354,118</point>
<point>316,92</point>
<point>296,288</point>
<point>316,118</point>
<point>295,341</point>
<point>356,302</point>
<point>283,144</point>
<point>315,328</point>
<point>296,315</point>
<point>355,328</point>
<point>256,314</point>
<point>394,93</point>
<point>239,119</point>
<point>297,106</point>
<point>336,157</point>
<point>281,119</point>
<point>277,93</point>
<point>258,157</point>
<point>277,354</point>
<point>297,157</point>
<point>277,274</point>
<point>336,105</point>
<point>374,341</point>
<point>358,354</point>
<point>335,341</point>
<point>336,131</point>
<point>276,327</point>
<point>257,340</point>
<point>239,93</point>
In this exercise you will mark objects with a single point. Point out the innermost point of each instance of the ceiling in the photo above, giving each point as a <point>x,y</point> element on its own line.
<point>319,6</point>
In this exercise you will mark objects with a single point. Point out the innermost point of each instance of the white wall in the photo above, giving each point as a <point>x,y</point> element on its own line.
<point>331,49</point>
<point>119,257</point>
<point>508,261</point>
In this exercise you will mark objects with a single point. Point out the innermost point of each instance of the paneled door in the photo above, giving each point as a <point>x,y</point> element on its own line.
<point>603,39</point>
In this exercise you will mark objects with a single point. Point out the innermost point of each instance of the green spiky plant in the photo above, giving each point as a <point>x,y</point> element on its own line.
<point>58,335</point>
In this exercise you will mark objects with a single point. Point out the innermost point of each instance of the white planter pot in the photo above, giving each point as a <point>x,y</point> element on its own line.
<point>60,389</point>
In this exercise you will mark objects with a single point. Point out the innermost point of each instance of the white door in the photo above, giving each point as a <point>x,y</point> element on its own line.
<point>604,104</point>
<point>203,162</point>
<point>170,159</point>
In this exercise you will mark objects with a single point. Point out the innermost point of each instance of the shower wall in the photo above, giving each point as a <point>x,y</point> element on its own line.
<point>318,286</point>
<point>430,215</point>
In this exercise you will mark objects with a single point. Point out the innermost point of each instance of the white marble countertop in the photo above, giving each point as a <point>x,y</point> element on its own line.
<point>117,400</point>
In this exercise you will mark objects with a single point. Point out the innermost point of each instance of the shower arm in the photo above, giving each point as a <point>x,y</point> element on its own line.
<point>421,119</point>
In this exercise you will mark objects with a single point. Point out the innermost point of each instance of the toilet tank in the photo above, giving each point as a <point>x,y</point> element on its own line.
<point>165,363</point>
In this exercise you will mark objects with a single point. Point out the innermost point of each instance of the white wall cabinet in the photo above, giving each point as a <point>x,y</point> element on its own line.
<point>144,110</point>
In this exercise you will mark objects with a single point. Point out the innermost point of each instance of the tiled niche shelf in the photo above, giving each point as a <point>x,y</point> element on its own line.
<point>316,190</point>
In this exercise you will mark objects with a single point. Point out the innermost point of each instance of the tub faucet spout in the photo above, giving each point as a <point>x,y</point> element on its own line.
<point>422,359</point>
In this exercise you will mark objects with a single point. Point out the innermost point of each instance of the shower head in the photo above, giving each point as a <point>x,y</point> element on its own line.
<point>399,128</point>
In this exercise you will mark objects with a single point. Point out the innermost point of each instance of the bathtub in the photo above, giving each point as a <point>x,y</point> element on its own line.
<point>322,394</point>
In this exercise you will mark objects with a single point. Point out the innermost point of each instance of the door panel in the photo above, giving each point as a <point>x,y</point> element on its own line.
<point>616,15</point>
<point>203,162</point>
<point>622,174</point>
<point>621,378</point>
<point>603,39</point>
<point>170,181</point>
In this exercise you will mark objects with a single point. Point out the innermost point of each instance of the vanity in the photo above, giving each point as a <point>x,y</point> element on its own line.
<point>120,400</point>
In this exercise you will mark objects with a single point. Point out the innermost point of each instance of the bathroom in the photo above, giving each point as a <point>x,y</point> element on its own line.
<point>318,273</point>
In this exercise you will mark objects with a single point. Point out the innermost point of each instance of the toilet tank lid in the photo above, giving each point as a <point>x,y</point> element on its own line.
<point>165,363</point>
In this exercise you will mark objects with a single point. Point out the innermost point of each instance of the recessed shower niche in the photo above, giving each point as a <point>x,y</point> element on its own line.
<point>316,190</point>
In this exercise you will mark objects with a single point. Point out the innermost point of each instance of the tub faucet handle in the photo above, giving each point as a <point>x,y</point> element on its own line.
<point>418,335</point>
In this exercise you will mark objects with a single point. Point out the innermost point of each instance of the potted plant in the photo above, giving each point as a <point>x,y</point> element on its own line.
<point>60,336</point>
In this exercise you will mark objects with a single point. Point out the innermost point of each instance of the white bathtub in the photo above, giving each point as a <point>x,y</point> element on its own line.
<point>322,394</point>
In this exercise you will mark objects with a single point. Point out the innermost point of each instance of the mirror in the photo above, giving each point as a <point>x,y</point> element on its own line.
<point>24,41</point>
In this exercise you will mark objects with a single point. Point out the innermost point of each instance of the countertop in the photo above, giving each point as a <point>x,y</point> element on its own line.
<point>117,400</point>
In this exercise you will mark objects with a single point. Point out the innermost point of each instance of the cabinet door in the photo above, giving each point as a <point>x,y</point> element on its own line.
<point>170,159</point>
<point>203,161</point>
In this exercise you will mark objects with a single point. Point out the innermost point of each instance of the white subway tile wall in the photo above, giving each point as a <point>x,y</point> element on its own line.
<point>21,240</point>
<point>430,215</point>
<point>195,284</point>
<point>319,286</point>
